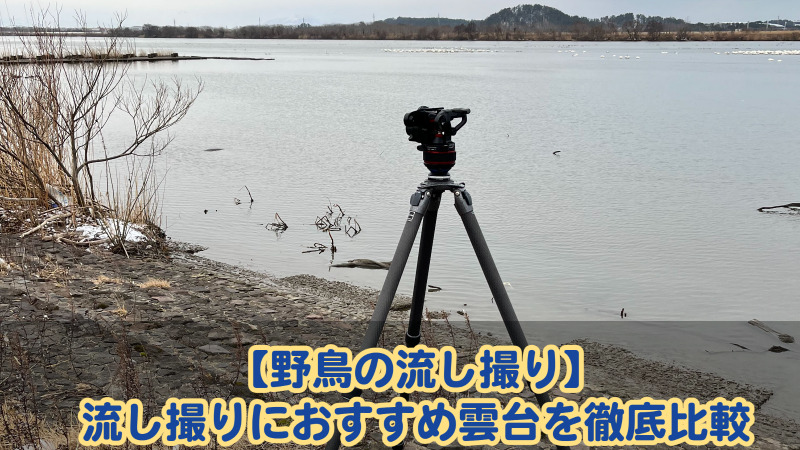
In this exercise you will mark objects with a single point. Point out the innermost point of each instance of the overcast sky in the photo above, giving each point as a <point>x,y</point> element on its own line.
<point>249,12</point>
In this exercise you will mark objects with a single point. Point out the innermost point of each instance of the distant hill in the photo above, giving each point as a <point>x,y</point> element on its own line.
<point>425,21</point>
<point>518,16</point>
<point>532,16</point>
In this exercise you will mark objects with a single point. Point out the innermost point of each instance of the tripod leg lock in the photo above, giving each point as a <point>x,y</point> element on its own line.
<point>419,203</point>
<point>412,341</point>
<point>463,201</point>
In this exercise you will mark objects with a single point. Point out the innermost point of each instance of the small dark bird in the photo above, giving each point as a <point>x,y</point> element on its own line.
<point>557,152</point>
<point>205,211</point>
<point>622,314</point>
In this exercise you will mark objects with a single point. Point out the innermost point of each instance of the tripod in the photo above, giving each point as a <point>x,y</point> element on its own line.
<point>425,204</point>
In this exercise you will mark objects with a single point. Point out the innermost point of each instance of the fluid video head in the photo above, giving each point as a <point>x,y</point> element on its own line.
<point>431,127</point>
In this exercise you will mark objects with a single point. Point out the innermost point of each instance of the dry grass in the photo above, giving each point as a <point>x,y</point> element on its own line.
<point>102,279</point>
<point>26,167</point>
<point>52,271</point>
<point>155,283</point>
<point>20,428</point>
<point>120,310</point>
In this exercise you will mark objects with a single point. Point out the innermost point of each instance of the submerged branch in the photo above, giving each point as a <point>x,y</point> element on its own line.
<point>788,205</point>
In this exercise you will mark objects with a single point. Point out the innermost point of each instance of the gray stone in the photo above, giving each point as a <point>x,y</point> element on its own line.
<point>401,304</point>
<point>219,335</point>
<point>213,349</point>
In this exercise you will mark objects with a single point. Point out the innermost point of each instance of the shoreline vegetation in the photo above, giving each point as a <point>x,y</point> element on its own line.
<point>406,32</point>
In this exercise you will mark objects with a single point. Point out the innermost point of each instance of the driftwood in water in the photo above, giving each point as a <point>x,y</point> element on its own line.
<point>788,205</point>
<point>783,337</point>
<point>336,221</point>
<point>278,225</point>
<point>317,248</point>
<point>364,264</point>
<point>151,57</point>
<point>352,227</point>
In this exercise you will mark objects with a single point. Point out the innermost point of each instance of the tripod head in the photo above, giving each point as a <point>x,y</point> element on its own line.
<point>432,128</point>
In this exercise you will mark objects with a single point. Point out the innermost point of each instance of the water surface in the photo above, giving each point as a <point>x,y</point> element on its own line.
<point>650,205</point>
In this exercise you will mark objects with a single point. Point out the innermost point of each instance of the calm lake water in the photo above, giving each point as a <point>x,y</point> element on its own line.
<point>650,206</point>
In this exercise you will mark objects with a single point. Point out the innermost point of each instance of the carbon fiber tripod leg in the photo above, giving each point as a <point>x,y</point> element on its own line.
<point>420,202</point>
<point>463,203</point>
<point>413,334</point>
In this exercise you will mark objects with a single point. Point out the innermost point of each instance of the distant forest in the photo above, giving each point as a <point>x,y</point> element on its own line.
<point>523,22</point>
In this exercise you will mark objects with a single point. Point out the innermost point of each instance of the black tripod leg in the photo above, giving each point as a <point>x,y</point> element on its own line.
<point>420,202</point>
<point>464,208</point>
<point>413,334</point>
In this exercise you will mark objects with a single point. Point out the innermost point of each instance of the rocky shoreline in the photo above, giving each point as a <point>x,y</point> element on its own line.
<point>89,323</point>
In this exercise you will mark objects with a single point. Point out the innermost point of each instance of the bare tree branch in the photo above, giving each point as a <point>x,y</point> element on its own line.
<point>55,113</point>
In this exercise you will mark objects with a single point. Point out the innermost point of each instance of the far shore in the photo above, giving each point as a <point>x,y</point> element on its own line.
<point>362,32</point>
<point>74,59</point>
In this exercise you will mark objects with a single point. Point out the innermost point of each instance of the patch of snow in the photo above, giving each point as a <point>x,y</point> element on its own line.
<point>96,232</point>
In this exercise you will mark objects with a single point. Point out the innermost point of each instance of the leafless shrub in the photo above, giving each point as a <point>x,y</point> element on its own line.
<point>133,212</point>
<point>53,114</point>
